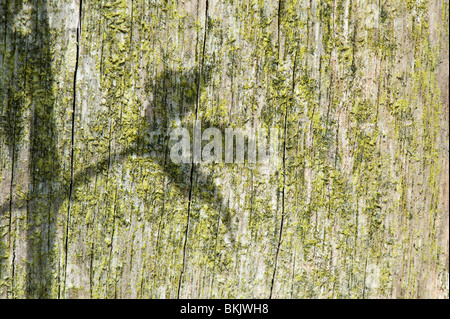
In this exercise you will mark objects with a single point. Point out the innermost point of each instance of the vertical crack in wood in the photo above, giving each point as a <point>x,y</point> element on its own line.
<point>283,194</point>
<point>278,28</point>
<point>72,142</point>
<point>191,178</point>
<point>10,239</point>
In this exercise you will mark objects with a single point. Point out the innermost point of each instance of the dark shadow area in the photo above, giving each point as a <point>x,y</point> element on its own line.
<point>45,164</point>
<point>29,104</point>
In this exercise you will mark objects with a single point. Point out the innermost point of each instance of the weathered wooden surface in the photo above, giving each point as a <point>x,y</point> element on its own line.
<point>357,207</point>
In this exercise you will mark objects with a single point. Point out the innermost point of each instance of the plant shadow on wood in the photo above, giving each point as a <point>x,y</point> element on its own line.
<point>49,186</point>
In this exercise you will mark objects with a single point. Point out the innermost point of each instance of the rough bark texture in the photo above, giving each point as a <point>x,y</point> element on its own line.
<point>92,207</point>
